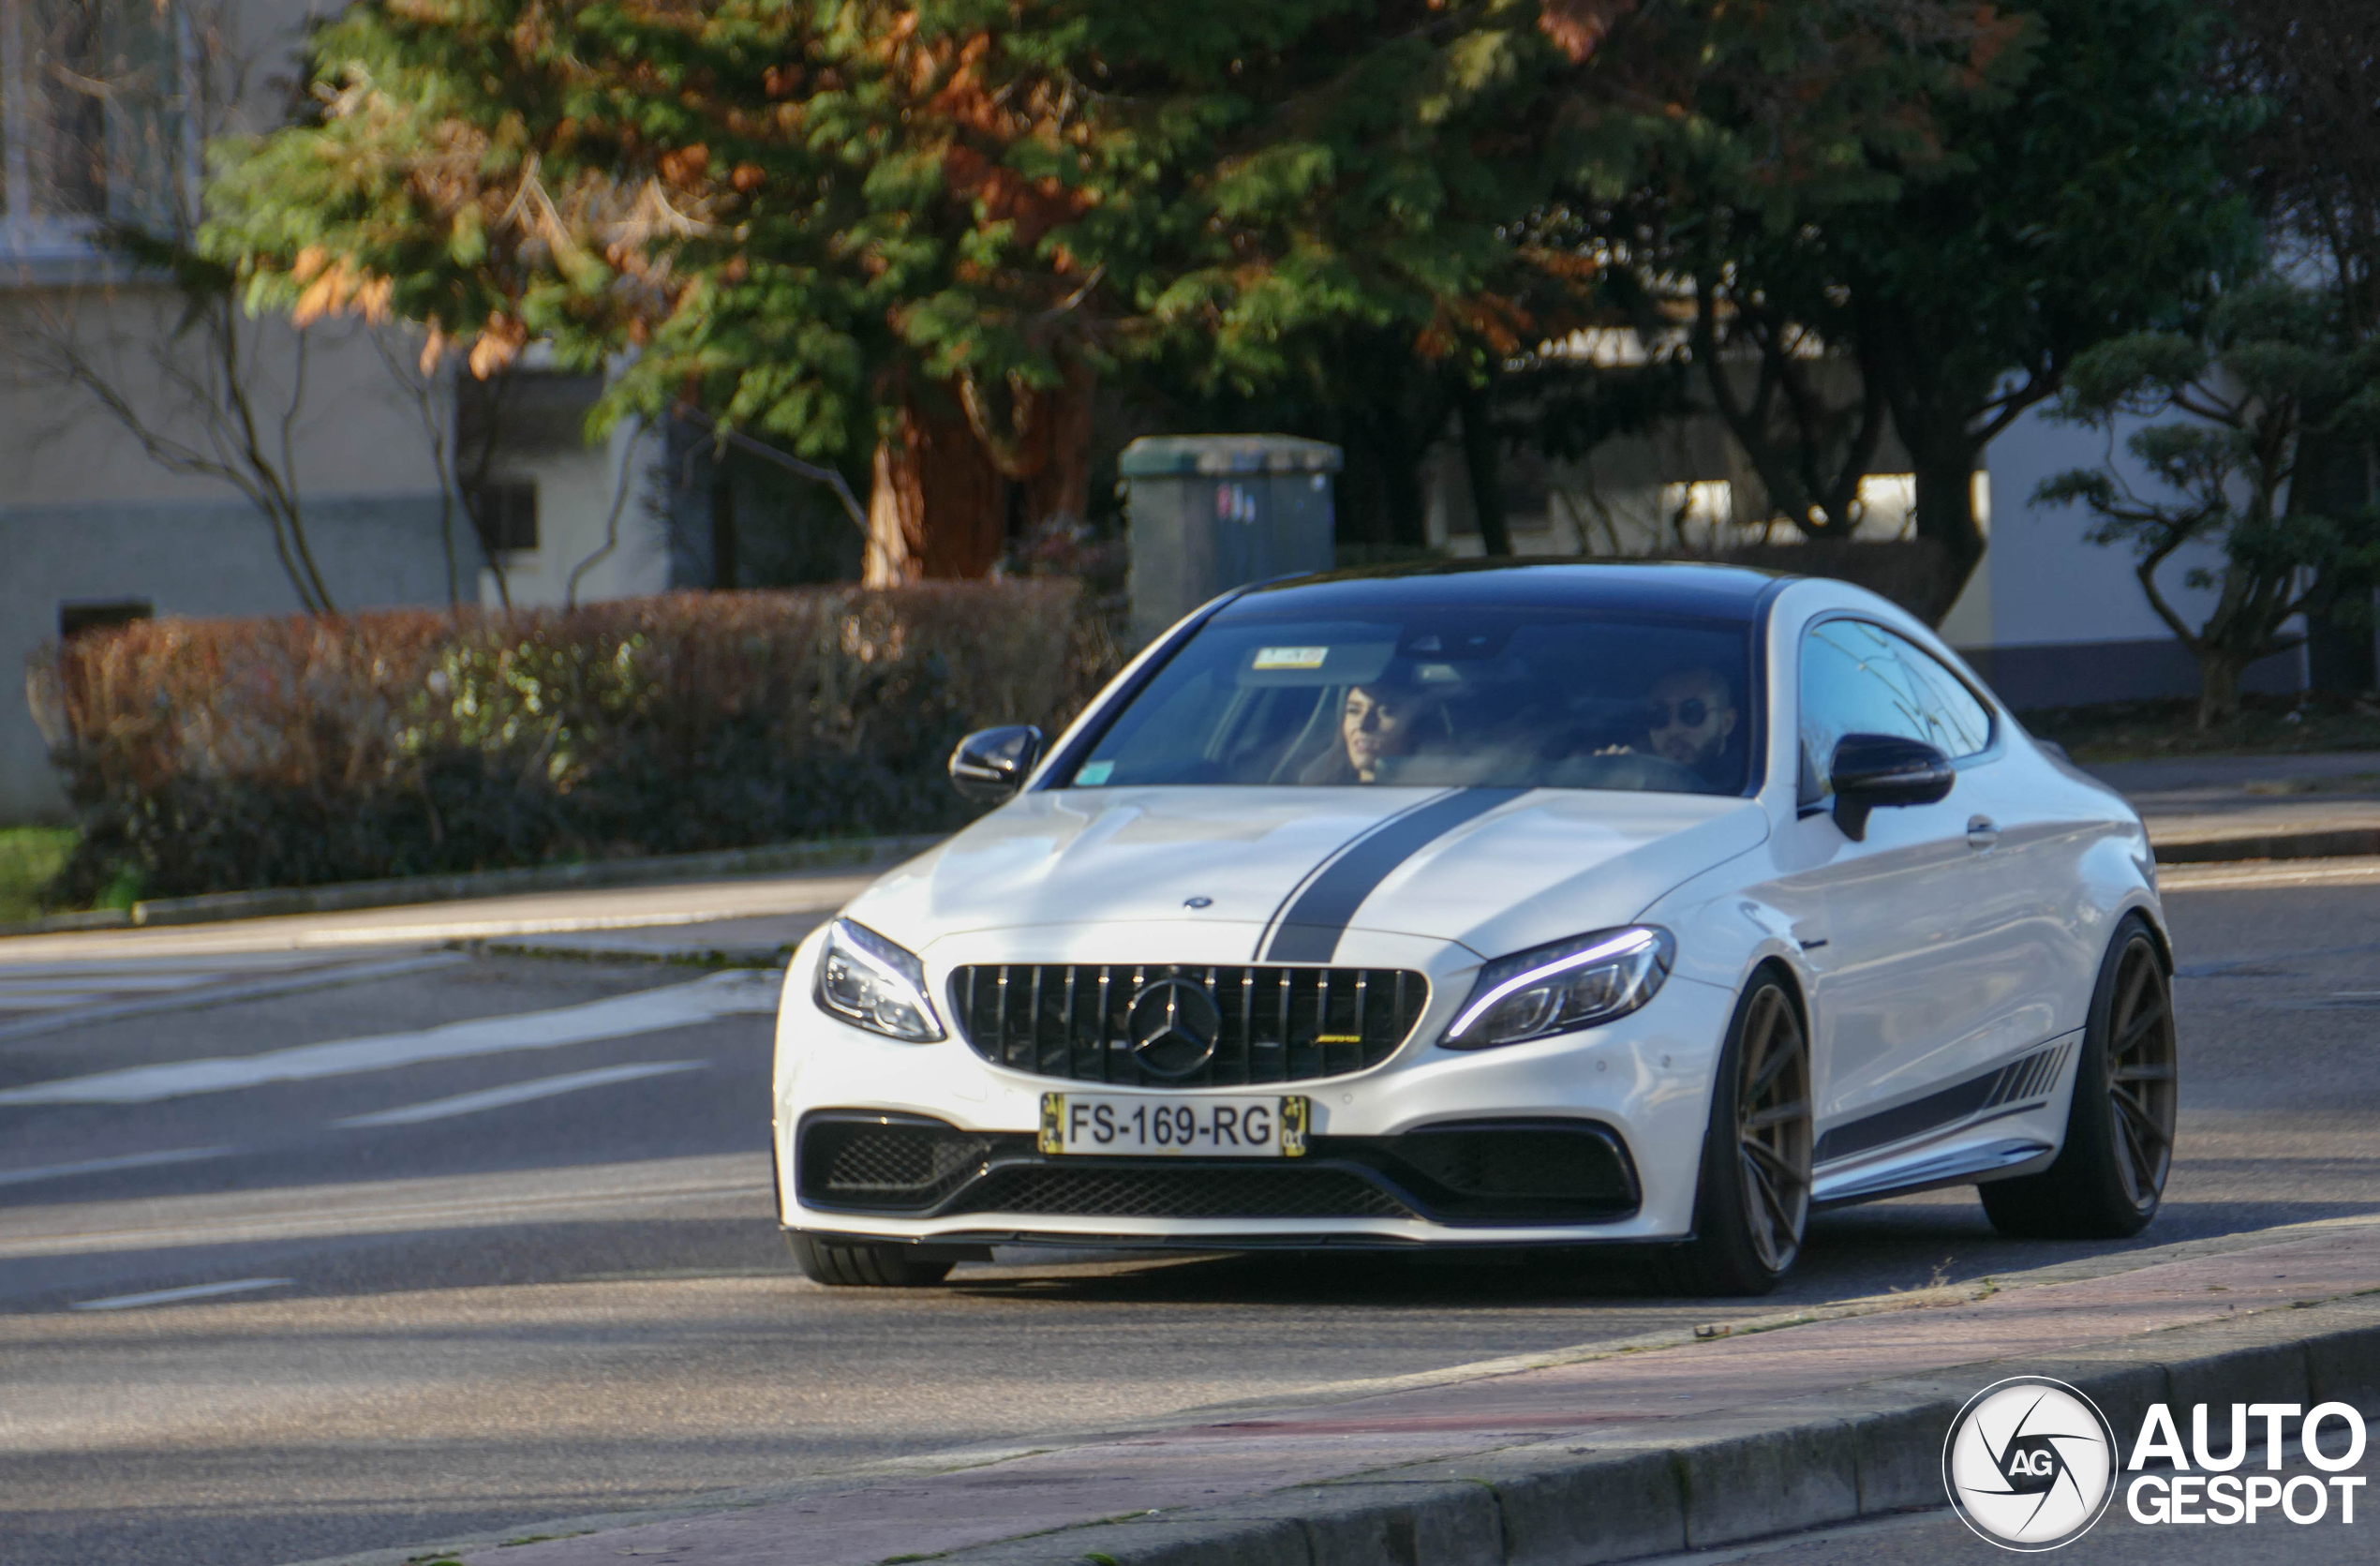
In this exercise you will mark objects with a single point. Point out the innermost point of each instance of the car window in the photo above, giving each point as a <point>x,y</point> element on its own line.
<point>1862,678</point>
<point>1451,696</point>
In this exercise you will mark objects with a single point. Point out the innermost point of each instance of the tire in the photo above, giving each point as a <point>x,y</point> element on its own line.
<point>862,1265</point>
<point>1752,1204</point>
<point>2107,1180</point>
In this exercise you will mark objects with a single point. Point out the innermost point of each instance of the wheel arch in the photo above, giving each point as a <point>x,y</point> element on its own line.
<point>1789,977</point>
<point>2152,918</point>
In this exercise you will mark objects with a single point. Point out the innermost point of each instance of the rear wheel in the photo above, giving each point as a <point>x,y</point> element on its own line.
<point>2107,1180</point>
<point>860,1265</point>
<point>1752,1203</point>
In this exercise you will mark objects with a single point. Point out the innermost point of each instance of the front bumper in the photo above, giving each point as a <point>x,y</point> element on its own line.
<point>866,1165</point>
<point>1589,1137</point>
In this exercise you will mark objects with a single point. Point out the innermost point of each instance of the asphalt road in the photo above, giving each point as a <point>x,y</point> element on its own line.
<point>486,1276</point>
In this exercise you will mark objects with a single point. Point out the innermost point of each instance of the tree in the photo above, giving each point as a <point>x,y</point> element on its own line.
<point>2088,205</point>
<point>2311,167</point>
<point>932,232</point>
<point>2074,195</point>
<point>2269,375</point>
<point>2310,162</point>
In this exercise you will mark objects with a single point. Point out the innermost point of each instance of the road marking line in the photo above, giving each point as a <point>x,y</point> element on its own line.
<point>677,1006</point>
<point>519,1093</point>
<point>102,1166</point>
<point>315,976</point>
<point>175,1296</point>
<point>370,1220</point>
<point>71,985</point>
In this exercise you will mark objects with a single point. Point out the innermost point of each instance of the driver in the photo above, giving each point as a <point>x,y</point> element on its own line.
<point>1385,718</point>
<point>1690,718</point>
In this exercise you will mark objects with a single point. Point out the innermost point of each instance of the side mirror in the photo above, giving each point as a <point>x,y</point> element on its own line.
<point>994,763</point>
<point>1871,771</point>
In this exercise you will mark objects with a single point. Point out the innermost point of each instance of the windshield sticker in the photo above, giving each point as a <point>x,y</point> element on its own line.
<point>1092,773</point>
<point>1290,657</point>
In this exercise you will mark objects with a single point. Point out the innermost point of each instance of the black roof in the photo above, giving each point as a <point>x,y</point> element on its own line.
<point>1640,588</point>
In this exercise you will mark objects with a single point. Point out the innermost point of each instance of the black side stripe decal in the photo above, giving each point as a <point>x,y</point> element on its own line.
<point>2029,1077</point>
<point>1309,930</point>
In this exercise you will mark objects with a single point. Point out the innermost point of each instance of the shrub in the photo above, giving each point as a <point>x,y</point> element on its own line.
<point>207,755</point>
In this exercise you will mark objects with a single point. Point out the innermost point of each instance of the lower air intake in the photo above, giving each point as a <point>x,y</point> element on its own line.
<point>1201,1191</point>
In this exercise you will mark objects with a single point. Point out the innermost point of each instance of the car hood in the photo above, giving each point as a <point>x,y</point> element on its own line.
<point>1494,869</point>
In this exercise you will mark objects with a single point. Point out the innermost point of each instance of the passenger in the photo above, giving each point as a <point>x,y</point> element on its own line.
<point>1385,718</point>
<point>1689,719</point>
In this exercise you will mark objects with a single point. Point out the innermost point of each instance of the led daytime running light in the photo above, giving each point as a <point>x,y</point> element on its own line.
<point>1627,944</point>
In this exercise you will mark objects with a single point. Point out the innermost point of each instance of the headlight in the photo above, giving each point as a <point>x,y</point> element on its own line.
<point>863,979</point>
<point>1570,984</point>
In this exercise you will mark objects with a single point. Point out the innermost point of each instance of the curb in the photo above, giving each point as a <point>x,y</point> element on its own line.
<point>700,954</point>
<point>341,897</point>
<point>2334,844</point>
<point>1642,1489</point>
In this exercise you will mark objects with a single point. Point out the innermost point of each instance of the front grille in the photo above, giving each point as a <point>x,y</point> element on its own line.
<point>1197,1191</point>
<point>1278,1024</point>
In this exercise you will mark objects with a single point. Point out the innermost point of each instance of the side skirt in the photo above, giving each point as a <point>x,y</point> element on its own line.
<point>1933,1140</point>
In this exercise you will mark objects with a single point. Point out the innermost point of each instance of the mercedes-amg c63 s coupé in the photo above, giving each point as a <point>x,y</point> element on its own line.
<point>1534,905</point>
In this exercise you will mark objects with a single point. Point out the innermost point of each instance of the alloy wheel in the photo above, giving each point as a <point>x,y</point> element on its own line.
<point>1772,1128</point>
<point>2143,1091</point>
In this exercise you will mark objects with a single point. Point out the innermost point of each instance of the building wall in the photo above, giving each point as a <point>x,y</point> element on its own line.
<point>197,557</point>
<point>2068,622</point>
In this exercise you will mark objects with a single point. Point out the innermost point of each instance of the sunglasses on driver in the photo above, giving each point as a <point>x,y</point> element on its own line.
<point>1691,713</point>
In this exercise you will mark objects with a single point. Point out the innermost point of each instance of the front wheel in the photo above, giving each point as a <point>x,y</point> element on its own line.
<point>1752,1202</point>
<point>2107,1180</point>
<point>859,1266</point>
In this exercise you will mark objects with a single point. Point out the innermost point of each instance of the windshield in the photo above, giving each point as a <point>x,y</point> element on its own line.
<point>1492,696</point>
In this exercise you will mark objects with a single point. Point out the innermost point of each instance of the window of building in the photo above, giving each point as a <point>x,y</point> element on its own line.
<point>95,121</point>
<point>504,512</point>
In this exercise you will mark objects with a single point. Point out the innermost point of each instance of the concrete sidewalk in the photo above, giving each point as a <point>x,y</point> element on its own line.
<point>750,912</point>
<point>2211,809</point>
<point>1601,1454</point>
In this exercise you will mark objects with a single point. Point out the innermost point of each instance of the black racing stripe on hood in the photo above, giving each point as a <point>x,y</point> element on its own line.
<point>1309,929</point>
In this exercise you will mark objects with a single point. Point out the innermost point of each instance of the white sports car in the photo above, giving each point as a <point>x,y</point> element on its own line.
<point>1504,905</point>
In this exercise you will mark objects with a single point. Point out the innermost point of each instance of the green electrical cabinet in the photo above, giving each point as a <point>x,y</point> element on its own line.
<point>1209,513</point>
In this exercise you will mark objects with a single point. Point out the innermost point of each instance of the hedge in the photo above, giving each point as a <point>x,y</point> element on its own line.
<point>214,756</point>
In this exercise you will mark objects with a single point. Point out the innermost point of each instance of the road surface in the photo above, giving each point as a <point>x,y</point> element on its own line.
<point>265,1301</point>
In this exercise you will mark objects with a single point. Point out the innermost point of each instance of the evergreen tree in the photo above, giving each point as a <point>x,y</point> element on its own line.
<point>922,235</point>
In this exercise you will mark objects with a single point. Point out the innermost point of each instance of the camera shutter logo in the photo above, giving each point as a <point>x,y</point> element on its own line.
<point>2029,1464</point>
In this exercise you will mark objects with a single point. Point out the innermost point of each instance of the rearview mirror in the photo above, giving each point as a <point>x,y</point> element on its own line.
<point>1872,771</point>
<point>990,765</point>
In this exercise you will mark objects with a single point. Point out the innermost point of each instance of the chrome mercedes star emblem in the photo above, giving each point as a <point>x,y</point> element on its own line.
<point>1173,1026</point>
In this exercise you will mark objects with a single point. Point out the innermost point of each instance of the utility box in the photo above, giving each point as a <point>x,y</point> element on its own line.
<point>1210,511</point>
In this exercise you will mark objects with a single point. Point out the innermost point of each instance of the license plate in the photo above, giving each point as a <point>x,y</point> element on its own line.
<point>1145,1124</point>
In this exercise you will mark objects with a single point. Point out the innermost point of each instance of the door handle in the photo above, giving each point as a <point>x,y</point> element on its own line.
<point>1982,832</point>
